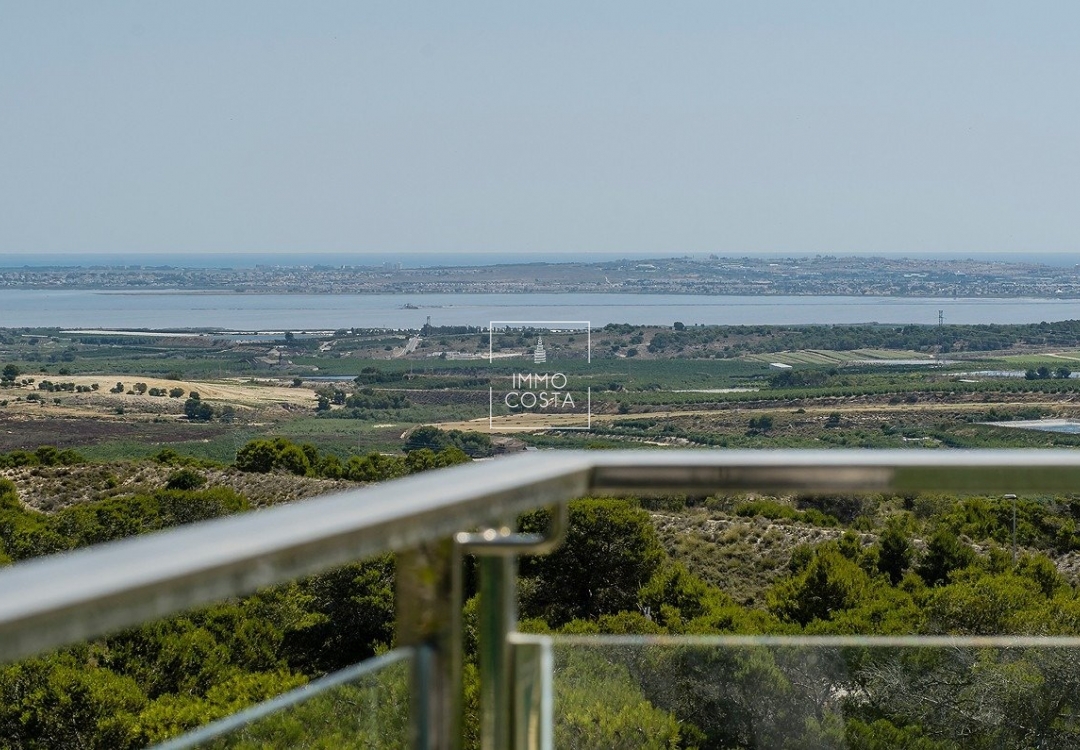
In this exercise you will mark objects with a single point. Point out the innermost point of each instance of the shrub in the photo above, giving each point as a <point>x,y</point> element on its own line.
<point>185,479</point>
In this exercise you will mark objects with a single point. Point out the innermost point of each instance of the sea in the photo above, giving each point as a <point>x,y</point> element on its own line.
<point>232,311</point>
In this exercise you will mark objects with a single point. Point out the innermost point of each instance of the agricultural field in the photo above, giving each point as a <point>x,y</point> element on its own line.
<point>355,391</point>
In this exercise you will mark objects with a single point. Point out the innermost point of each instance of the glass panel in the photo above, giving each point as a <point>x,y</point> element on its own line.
<point>858,693</point>
<point>365,706</point>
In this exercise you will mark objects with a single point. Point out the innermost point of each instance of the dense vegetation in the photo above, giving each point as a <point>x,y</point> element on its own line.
<point>614,576</point>
<point>280,454</point>
<point>944,338</point>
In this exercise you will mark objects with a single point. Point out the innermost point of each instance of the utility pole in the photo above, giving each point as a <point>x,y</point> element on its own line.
<point>1013,498</point>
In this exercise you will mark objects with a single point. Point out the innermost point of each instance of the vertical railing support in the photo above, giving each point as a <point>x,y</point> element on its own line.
<point>497,550</point>
<point>428,607</point>
<point>497,619</point>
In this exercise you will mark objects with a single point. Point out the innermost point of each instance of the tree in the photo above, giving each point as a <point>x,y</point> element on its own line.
<point>895,553</point>
<point>197,411</point>
<point>944,554</point>
<point>611,550</point>
<point>763,424</point>
<point>350,611</point>
<point>474,444</point>
<point>602,706</point>
<point>330,467</point>
<point>829,584</point>
<point>257,456</point>
<point>980,603</point>
<point>60,702</point>
<point>884,735</point>
<point>185,479</point>
<point>10,373</point>
<point>451,456</point>
<point>427,437</point>
<point>375,467</point>
<point>420,460</point>
<point>294,460</point>
<point>47,455</point>
<point>674,596</point>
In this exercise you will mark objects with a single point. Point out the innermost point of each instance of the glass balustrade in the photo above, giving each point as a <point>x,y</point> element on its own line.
<point>931,693</point>
<point>365,707</point>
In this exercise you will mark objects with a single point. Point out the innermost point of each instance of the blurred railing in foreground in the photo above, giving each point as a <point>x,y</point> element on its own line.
<point>787,687</point>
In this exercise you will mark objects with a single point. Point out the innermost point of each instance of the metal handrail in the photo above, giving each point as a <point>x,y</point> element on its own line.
<point>54,601</point>
<point>66,598</point>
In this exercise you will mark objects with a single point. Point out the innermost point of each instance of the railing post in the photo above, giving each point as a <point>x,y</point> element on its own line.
<point>497,618</point>
<point>428,607</point>
<point>497,550</point>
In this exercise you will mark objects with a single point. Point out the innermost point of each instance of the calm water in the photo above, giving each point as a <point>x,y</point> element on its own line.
<point>90,309</point>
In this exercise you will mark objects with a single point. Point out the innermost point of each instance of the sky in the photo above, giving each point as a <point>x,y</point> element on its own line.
<point>681,127</point>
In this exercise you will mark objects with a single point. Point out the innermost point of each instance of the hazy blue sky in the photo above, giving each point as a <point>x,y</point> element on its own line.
<point>674,127</point>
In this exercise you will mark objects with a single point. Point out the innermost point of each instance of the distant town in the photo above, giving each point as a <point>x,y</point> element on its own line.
<point>816,275</point>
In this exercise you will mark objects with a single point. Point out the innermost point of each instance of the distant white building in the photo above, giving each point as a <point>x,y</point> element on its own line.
<point>779,365</point>
<point>539,355</point>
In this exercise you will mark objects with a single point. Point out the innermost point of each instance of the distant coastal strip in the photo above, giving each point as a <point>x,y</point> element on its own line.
<point>820,275</point>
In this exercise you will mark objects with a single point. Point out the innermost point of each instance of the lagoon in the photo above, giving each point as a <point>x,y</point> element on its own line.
<point>82,308</point>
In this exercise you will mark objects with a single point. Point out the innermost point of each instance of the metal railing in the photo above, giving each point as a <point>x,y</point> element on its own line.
<point>59,600</point>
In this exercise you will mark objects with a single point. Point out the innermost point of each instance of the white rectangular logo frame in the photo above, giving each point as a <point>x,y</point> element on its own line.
<point>551,325</point>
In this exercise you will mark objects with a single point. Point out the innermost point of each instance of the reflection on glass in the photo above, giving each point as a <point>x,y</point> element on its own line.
<point>937,694</point>
<point>363,707</point>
